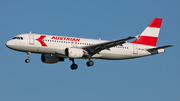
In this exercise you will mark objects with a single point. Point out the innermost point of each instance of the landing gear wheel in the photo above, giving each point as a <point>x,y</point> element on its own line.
<point>28,54</point>
<point>27,60</point>
<point>74,66</point>
<point>90,63</point>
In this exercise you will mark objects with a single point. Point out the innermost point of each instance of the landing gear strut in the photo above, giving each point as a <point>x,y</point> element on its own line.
<point>73,66</point>
<point>28,55</point>
<point>89,63</point>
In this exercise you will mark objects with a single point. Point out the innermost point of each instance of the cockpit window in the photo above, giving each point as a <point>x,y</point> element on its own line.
<point>20,38</point>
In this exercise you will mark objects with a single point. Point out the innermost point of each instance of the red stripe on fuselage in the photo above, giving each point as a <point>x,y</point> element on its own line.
<point>146,40</point>
<point>40,39</point>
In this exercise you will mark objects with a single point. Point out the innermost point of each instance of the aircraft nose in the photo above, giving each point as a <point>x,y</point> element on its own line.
<point>9,44</point>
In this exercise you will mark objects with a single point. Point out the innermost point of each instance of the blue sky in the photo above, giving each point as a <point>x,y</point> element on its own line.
<point>153,78</point>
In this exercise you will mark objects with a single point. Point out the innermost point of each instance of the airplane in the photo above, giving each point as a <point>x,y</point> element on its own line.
<point>54,48</point>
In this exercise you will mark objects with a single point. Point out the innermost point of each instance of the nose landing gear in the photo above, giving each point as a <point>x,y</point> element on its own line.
<point>27,60</point>
<point>28,55</point>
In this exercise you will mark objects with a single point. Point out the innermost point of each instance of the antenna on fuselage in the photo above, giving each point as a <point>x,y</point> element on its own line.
<point>30,32</point>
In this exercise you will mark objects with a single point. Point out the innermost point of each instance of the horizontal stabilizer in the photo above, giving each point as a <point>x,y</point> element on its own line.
<point>162,47</point>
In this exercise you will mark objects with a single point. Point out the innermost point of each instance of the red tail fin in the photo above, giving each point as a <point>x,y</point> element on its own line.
<point>150,35</point>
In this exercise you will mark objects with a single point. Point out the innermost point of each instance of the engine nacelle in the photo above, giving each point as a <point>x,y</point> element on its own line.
<point>46,58</point>
<point>73,53</point>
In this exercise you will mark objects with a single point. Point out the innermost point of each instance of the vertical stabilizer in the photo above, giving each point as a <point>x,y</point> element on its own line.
<point>150,35</point>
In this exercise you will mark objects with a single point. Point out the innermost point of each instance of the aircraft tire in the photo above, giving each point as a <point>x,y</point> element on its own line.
<point>27,60</point>
<point>74,66</point>
<point>90,63</point>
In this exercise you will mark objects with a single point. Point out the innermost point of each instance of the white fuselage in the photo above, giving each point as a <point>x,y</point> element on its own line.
<point>55,45</point>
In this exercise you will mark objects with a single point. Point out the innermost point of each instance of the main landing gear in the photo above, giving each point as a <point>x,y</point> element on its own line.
<point>28,55</point>
<point>73,66</point>
<point>89,63</point>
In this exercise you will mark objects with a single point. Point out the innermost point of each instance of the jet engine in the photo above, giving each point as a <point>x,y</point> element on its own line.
<point>73,52</point>
<point>50,59</point>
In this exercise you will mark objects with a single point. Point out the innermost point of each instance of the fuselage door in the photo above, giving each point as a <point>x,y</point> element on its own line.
<point>31,39</point>
<point>135,49</point>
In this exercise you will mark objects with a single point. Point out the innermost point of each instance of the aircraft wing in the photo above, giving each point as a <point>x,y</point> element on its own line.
<point>96,48</point>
